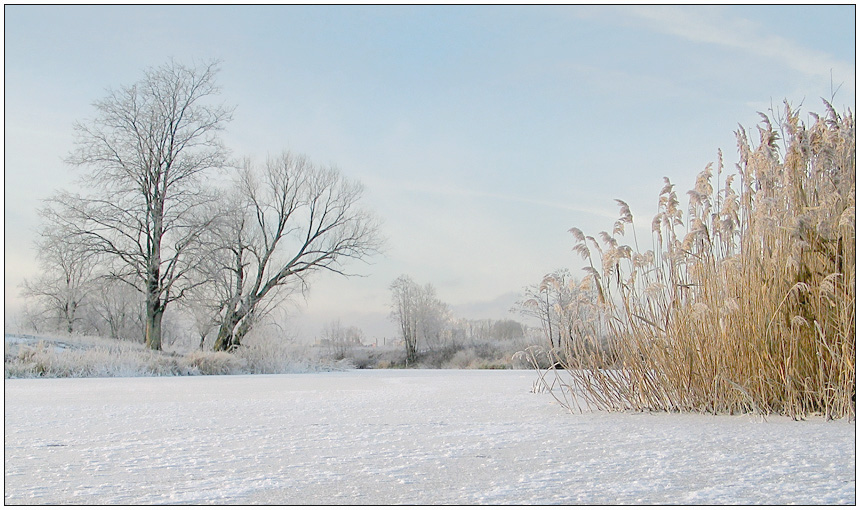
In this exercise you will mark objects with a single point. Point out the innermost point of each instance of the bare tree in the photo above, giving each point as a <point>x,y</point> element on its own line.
<point>565,308</point>
<point>207,301</point>
<point>506,330</point>
<point>295,219</point>
<point>202,307</point>
<point>340,340</point>
<point>420,315</point>
<point>404,298</point>
<point>68,274</point>
<point>116,310</point>
<point>434,317</point>
<point>147,150</point>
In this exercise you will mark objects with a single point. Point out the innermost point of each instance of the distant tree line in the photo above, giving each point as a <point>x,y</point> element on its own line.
<point>426,323</point>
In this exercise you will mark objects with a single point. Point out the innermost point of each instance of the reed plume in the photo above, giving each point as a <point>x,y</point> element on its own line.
<point>746,300</point>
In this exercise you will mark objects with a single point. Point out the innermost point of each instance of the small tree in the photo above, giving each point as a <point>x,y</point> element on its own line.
<point>565,308</point>
<point>116,310</point>
<point>507,330</point>
<point>404,298</point>
<point>540,303</point>
<point>420,315</point>
<point>434,316</point>
<point>340,340</point>
<point>67,278</point>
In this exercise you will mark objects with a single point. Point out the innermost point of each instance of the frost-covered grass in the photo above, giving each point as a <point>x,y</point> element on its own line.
<point>82,356</point>
<point>85,356</point>
<point>396,437</point>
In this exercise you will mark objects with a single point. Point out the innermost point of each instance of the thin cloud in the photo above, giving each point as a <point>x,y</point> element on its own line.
<point>447,191</point>
<point>713,26</point>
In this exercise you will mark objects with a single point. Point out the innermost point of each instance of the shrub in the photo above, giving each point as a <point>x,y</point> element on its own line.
<point>274,355</point>
<point>214,363</point>
<point>463,358</point>
<point>378,357</point>
<point>481,357</point>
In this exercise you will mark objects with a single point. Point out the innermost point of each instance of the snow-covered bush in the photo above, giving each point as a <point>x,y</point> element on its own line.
<point>476,357</point>
<point>215,363</point>
<point>388,356</point>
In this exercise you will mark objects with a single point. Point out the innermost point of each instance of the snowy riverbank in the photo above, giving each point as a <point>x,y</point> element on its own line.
<point>395,436</point>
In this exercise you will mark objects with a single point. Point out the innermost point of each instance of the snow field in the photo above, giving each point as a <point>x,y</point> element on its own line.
<point>395,436</point>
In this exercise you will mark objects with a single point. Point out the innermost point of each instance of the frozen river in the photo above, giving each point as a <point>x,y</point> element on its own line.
<point>395,436</point>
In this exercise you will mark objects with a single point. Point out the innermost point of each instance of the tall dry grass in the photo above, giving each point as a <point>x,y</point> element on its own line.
<point>746,301</point>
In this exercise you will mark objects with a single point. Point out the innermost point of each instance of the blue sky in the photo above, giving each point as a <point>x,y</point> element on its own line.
<point>481,133</point>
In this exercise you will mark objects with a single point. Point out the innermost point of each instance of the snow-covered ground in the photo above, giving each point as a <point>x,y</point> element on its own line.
<point>395,436</point>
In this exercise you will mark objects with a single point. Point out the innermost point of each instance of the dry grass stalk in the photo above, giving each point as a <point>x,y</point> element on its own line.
<point>746,303</point>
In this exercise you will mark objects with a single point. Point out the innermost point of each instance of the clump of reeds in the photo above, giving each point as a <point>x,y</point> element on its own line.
<point>746,301</point>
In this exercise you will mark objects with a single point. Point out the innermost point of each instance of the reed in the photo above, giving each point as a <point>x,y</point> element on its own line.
<point>745,301</point>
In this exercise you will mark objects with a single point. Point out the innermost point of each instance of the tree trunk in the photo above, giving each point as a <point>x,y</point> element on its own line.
<point>69,316</point>
<point>242,329</point>
<point>228,337</point>
<point>154,314</point>
<point>154,304</point>
<point>225,336</point>
<point>234,328</point>
<point>411,341</point>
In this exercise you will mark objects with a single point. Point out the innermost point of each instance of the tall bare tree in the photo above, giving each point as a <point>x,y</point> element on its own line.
<point>147,149</point>
<point>420,315</point>
<point>294,220</point>
<point>404,311</point>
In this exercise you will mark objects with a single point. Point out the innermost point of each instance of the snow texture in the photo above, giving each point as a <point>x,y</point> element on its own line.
<point>396,437</point>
